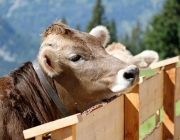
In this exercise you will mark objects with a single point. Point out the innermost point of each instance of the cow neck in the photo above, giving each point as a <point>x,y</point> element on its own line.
<point>51,92</point>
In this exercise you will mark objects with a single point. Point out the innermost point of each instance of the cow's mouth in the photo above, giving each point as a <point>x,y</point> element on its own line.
<point>125,79</point>
<point>111,98</point>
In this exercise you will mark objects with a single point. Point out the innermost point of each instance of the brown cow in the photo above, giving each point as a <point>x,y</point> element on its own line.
<point>141,60</point>
<point>76,66</point>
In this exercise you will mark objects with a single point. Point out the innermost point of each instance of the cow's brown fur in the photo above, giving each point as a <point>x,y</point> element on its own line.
<point>24,103</point>
<point>58,29</point>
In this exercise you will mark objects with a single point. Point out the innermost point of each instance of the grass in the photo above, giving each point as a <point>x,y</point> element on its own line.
<point>147,72</point>
<point>148,125</point>
<point>178,108</point>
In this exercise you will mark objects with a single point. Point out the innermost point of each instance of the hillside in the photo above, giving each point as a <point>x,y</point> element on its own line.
<point>15,48</point>
<point>24,20</point>
<point>33,16</point>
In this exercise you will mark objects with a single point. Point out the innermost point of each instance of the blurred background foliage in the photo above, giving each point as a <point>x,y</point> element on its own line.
<point>137,24</point>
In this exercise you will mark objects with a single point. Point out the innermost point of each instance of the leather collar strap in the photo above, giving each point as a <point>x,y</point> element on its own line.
<point>54,96</point>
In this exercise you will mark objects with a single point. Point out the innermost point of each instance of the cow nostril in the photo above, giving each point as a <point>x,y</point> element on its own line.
<point>129,75</point>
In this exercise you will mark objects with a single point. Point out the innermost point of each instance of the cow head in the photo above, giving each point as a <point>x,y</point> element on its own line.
<point>141,60</point>
<point>82,70</point>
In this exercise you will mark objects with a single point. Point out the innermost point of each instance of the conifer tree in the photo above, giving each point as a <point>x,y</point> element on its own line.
<point>98,18</point>
<point>163,34</point>
<point>112,31</point>
<point>78,27</point>
<point>134,42</point>
<point>63,20</point>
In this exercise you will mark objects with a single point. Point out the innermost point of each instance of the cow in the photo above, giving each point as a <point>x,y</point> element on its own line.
<point>71,64</point>
<point>142,60</point>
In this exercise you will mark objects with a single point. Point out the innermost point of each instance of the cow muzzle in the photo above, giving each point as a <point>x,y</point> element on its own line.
<point>126,79</point>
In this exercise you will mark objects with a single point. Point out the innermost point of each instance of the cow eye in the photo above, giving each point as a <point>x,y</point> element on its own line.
<point>75,58</point>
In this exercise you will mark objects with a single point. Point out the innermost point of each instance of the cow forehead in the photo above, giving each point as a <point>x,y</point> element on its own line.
<point>77,40</point>
<point>60,35</point>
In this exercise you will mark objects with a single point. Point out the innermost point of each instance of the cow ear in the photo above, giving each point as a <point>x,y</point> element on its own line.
<point>149,57</point>
<point>102,34</point>
<point>48,60</point>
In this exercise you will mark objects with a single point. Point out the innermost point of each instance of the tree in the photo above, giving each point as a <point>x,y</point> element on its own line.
<point>134,42</point>
<point>78,27</point>
<point>98,18</point>
<point>63,20</point>
<point>112,31</point>
<point>136,36</point>
<point>163,34</point>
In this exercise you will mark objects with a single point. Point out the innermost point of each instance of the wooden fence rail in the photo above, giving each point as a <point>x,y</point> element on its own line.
<point>121,118</point>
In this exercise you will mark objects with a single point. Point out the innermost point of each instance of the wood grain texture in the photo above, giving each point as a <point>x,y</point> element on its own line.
<point>169,103</point>
<point>39,137</point>
<point>177,85</point>
<point>66,133</point>
<point>150,96</point>
<point>105,123</point>
<point>131,109</point>
<point>177,128</point>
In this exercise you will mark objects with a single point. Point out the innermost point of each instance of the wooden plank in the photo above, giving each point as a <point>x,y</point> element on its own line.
<point>142,79</point>
<point>150,96</point>
<point>165,62</point>
<point>52,126</point>
<point>105,123</point>
<point>155,134</point>
<point>177,128</point>
<point>177,85</point>
<point>66,133</point>
<point>39,137</point>
<point>132,115</point>
<point>157,116</point>
<point>169,103</point>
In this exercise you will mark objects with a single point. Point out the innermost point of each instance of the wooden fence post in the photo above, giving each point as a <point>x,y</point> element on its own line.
<point>67,133</point>
<point>177,98</point>
<point>169,101</point>
<point>131,114</point>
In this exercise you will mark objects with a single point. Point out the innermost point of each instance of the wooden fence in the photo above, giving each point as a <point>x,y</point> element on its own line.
<point>121,118</point>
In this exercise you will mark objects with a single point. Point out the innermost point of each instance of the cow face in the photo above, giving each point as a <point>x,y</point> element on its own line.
<point>81,67</point>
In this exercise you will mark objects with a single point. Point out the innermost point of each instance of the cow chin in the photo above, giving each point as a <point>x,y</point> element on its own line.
<point>126,79</point>
<point>109,96</point>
